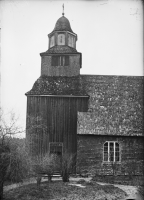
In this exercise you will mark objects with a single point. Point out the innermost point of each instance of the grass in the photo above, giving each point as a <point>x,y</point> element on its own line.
<point>57,190</point>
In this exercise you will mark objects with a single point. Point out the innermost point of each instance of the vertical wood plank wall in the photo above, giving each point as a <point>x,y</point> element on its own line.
<point>53,119</point>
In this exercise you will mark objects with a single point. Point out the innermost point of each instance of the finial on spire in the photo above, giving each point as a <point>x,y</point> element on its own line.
<point>63,9</point>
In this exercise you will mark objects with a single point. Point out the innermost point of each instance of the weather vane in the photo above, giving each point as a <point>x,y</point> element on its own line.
<point>63,9</point>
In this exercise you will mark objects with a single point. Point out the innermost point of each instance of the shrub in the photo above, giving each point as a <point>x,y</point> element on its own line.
<point>4,163</point>
<point>43,165</point>
<point>19,167</point>
<point>67,166</point>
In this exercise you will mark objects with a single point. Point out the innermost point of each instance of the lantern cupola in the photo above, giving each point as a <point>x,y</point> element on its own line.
<point>61,58</point>
<point>62,34</point>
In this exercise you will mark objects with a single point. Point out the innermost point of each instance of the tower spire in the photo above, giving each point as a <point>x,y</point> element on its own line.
<point>63,9</point>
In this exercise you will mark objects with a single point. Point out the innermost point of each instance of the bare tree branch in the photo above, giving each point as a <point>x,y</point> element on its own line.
<point>8,126</point>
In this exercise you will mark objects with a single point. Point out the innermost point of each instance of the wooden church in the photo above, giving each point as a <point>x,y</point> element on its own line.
<point>98,118</point>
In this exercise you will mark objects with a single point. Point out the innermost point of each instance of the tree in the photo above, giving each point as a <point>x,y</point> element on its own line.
<point>35,127</point>
<point>19,166</point>
<point>8,128</point>
<point>67,166</point>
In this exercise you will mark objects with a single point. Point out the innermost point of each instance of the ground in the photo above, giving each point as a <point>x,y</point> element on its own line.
<point>73,190</point>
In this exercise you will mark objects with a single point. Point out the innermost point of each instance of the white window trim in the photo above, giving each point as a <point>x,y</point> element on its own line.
<point>109,162</point>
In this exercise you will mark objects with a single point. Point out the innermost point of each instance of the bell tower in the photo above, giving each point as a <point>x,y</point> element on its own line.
<point>61,58</point>
<point>57,95</point>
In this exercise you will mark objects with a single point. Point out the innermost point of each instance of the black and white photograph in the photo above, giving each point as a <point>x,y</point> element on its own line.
<point>71,100</point>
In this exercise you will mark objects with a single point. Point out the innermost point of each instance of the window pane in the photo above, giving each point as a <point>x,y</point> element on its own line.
<point>71,40</point>
<point>61,39</point>
<point>116,147</point>
<point>52,61</point>
<point>63,60</point>
<point>111,156</point>
<point>111,146</point>
<point>116,156</point>
<point>105,149</point>
<point>105,156</point>
<point>106,146</point>
<point>59,61</point>
<point>55,60</point>
<point>66,60</point>
<point>52,42</point>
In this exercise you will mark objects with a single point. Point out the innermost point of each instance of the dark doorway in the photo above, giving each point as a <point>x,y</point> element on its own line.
<point>56,149</point>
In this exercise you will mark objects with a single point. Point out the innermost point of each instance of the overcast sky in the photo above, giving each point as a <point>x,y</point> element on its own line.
<point>110,38</point>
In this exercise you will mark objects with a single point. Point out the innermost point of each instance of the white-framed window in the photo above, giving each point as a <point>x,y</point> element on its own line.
<point>111,151</point>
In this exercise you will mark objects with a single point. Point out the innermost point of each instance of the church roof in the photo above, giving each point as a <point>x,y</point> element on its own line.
<point>60,49</point>
<point>62,24</point>
<point>115,102</point>
<point>58,85</point>
<point>116,106</point>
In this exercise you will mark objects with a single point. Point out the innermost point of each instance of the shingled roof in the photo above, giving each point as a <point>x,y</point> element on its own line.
<point>60,49</point>
<point>115,106</point>
<point>115,103</point>
<point>58,85</point>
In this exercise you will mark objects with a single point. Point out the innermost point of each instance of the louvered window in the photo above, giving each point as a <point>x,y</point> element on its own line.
<point>60,61</point>
<point>54,61</point>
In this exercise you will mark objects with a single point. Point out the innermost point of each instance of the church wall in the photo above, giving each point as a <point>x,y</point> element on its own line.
<point>75,65</point>
<point>53,119</point>
<point>72,70</point>
<point>90,154</point>
<point>45,64</point>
